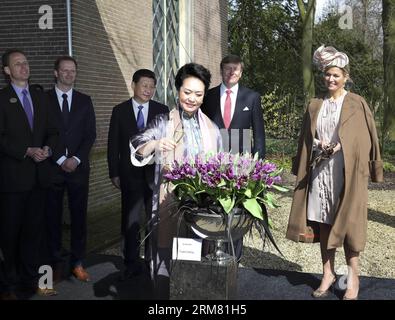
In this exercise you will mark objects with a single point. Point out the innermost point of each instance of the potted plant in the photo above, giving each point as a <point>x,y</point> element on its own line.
<point>222,196</point>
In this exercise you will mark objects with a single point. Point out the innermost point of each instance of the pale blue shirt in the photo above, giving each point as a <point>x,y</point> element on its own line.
<point>19,93</point>
<point>192,135</point>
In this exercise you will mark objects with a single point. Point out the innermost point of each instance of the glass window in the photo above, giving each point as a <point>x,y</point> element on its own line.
<point>166,49</point>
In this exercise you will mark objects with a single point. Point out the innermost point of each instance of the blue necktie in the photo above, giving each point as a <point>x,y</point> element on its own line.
<point>27,106</point>
<point>140,118</point>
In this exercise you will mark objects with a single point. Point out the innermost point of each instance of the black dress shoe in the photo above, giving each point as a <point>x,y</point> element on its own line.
<point>129,274</point>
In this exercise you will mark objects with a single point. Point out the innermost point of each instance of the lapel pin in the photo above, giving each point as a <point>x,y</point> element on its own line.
<point>13,100</point>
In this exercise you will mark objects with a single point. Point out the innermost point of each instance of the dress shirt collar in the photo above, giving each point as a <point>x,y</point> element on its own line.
<point>136,105</point>
<point>19,90</point>
<point>60,93</point>
<point>234,89</point>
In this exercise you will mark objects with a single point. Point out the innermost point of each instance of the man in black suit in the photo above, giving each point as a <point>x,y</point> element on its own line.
<point>27,138</point>
<point>237,111</point>
<point>135,183</point>
<point>75,119</point>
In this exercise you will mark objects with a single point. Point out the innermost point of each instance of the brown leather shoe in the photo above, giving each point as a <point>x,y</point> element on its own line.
<point>6,296</point>
<point>80,273</point>
<point>46,292</point>
<point>57,275</point>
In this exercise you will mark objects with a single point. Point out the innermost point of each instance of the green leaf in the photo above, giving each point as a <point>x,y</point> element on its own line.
<point>222,183</point>
<point>270,201</point>
<point>279,188</point>
<point>178,184</point>
<point>201,191</point>
<point>248,193</point>
<point>227,203</point>
<point>253,207</point>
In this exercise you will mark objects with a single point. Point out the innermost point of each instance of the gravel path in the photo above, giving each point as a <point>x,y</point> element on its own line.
<point>378,259</point>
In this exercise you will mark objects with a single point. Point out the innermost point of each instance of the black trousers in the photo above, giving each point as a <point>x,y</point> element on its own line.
<point>2,276</point>
<point>136,195</point>
<point>76,184</point>
<point>21,231</point>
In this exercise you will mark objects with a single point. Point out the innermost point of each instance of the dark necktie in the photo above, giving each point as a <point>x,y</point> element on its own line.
<point>65,110</point>
<point>140,118</point>
<point>27,106</point>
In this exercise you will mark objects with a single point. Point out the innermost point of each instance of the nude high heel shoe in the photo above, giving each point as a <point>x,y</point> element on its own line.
<point>324,293</point>
<point>353,298</point>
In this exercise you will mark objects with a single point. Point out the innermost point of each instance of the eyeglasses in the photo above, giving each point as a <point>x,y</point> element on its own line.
<point>20,64</point>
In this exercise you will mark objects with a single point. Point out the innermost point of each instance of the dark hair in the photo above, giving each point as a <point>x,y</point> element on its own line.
<point>5,59</point>
<point>232,58</point>
<point>193,70</point>
<point>64,58</point>
<point>143,73</point>
<point>37,87</point>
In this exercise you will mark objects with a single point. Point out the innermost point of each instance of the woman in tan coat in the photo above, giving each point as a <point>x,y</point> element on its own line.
<point>331,194</point>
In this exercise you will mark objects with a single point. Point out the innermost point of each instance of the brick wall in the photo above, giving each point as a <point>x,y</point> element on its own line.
<point>19,28</point>
<point>210,35</point>
<point>111,40</point>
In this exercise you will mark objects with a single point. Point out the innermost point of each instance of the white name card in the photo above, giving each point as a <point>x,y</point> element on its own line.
<point>187,249</point>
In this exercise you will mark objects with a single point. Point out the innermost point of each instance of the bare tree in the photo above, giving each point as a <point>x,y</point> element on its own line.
<point>388,15</point>
<point>307,13</point>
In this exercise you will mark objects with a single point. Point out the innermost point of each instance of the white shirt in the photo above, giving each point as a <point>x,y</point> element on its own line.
<point>233,97</point>
<point>59,94</point>
<point>144,110</point>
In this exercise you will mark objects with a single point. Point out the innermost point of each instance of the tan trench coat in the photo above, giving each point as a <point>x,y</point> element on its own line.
<point>358,137</point>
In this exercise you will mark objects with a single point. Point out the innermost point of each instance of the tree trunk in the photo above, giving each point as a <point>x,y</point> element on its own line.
<point>365,5</point>
<point>388,16</point>
<point>307,13</point>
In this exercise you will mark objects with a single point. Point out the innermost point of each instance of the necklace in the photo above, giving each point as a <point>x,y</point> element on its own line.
<point>333,98</point>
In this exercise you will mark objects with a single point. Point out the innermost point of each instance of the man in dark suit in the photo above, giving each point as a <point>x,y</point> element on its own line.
<point>75,119</point>
<point>27,138</point>
<point>135,183</point>
<point>237,111</point>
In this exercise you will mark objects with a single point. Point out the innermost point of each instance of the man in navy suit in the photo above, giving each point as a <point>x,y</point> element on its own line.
<point>237,111</point>
<point>135,183</point>
<point>75,120</point>
<point>27,139</point>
